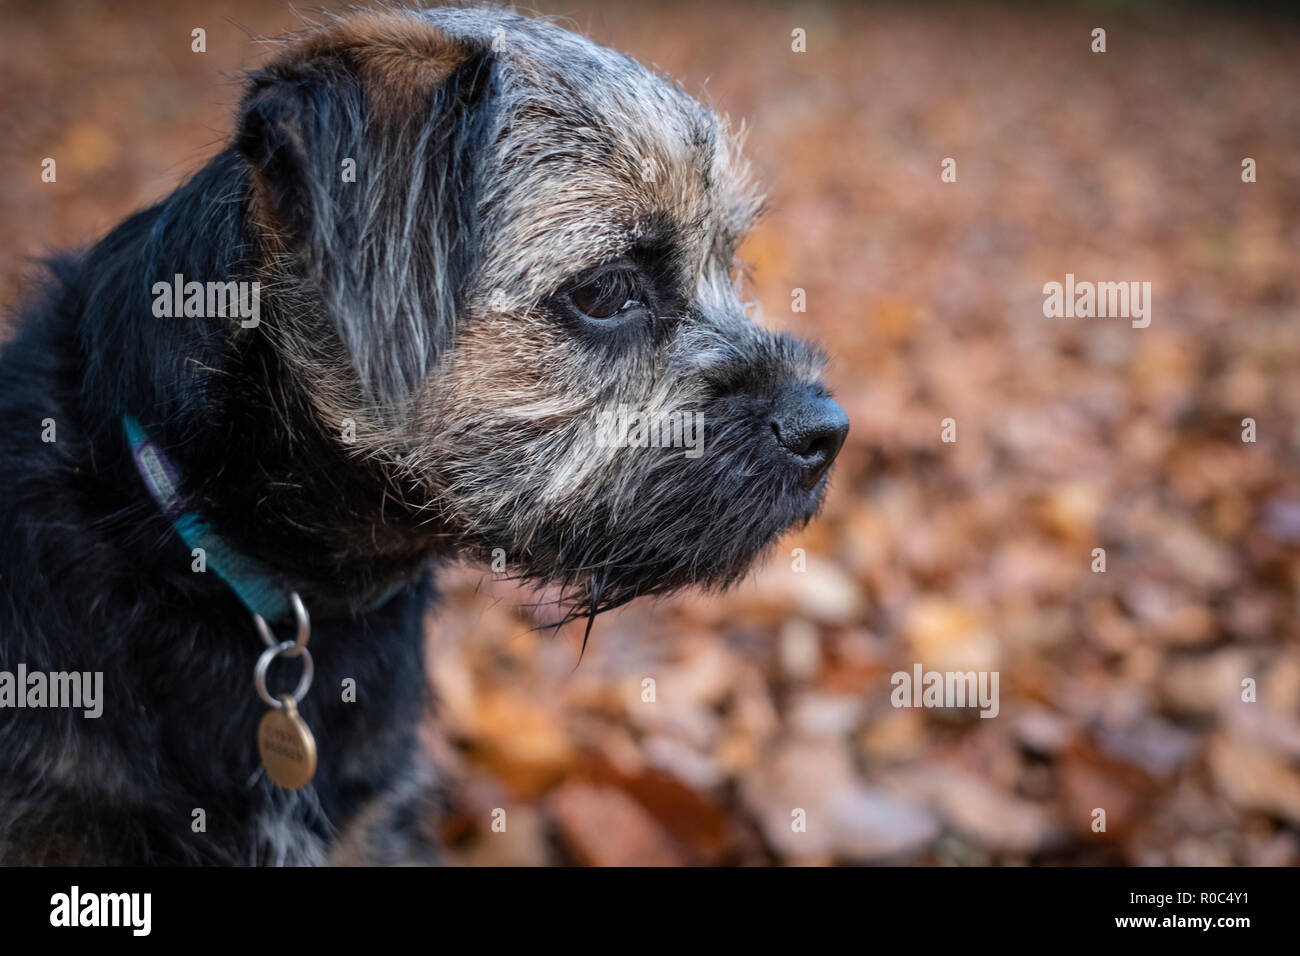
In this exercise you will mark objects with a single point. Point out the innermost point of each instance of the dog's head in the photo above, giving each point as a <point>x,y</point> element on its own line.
<point>509,258</point>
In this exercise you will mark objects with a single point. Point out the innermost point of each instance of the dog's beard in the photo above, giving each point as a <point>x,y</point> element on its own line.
<point>647,521</point>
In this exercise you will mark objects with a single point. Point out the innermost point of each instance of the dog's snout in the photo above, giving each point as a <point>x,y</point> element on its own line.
<point>812,429</point>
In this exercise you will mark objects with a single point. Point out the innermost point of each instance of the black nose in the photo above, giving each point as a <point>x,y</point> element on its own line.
<point>812,429</point>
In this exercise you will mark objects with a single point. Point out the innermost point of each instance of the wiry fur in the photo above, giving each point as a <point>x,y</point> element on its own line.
<point>499,159</point>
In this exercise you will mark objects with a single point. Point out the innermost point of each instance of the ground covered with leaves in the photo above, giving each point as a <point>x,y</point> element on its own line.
<point>1120,691</point>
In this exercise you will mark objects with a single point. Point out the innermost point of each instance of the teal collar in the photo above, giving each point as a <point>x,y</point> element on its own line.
<point>252,584</point>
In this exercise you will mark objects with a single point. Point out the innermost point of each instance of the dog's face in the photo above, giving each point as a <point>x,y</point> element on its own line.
<point>527,301</point>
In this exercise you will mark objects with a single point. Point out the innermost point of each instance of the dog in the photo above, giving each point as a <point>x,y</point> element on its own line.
<point>445,246</point>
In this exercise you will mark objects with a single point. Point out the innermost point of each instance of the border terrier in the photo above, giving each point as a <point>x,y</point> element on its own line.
<point>378,331</point>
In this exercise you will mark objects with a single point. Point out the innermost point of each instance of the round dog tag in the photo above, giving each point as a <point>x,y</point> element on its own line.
<point>287,747</point>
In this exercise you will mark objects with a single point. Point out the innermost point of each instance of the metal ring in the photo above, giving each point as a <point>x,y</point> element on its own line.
<point>300,615</point>
<point>264,664</point>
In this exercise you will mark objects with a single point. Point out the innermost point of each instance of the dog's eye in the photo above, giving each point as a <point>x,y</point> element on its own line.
<point>607,295</point>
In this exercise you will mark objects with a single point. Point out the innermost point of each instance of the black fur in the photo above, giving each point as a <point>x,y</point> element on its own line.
<point>95,579</point>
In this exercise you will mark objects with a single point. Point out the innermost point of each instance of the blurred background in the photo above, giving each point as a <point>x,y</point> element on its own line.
<point>1121,690</point>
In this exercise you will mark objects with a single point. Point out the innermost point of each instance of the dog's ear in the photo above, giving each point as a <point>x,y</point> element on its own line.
<point>364,141</point>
